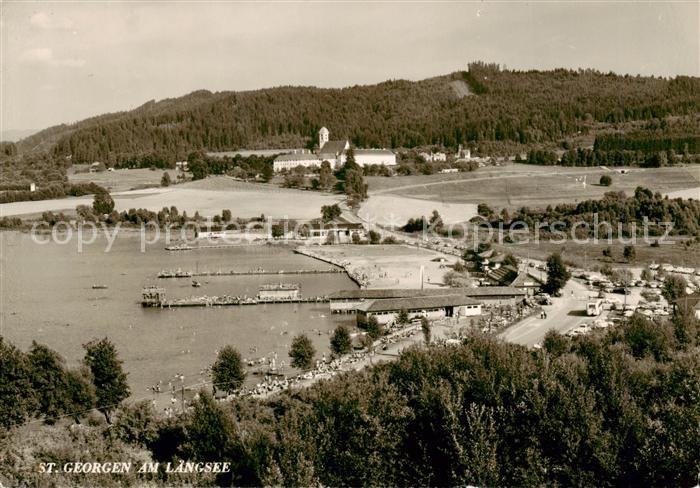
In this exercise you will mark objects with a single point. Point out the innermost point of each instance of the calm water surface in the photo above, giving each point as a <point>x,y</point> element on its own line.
<point>47,296</point>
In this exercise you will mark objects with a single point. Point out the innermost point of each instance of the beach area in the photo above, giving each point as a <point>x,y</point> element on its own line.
<point>386,265</point>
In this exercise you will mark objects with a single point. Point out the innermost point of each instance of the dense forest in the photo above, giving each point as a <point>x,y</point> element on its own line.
<point>657,143</point>
<point>613,408</point>
<point>509,107</point>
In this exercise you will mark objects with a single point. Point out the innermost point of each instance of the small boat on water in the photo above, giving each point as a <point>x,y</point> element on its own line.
<point>196,283</point>
<point>179,247</point>
<point>99,287</point>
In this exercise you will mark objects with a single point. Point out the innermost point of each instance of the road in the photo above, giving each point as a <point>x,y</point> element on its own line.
<point>564,314</point>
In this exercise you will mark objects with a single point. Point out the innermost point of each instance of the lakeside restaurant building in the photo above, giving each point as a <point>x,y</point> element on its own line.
<point>341,232</point>
<point>431,307</point>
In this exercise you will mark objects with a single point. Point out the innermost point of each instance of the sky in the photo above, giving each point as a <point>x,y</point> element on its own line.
<point>64,61</point>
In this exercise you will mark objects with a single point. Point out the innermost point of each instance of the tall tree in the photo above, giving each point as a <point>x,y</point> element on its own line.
<point>330,212</point>
<point>228,372</point>
<point>80,392</point>
<point>48,377</point>
<point>210,432</point>
<point>673,288</point>
<point>373,328</point>
<point>103,203</point>
<point>326,179</point>
<point>557,274</point>
<point>17,398</point>
<point>302,352</point>
<point>108,377</point>
<point>355,185</point>
<point>341,343</point>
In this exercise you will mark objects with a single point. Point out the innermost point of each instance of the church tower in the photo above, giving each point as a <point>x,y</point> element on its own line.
<point>322,137</point>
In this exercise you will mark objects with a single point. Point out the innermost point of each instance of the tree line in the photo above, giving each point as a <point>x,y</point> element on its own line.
<point>620,211</point>
<point>37,384</point>
<point>615,407</point>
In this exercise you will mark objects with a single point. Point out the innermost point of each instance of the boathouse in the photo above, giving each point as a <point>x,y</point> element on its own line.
<point>152,296</point>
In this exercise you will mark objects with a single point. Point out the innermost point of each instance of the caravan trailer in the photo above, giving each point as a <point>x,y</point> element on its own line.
<point>594,308</point>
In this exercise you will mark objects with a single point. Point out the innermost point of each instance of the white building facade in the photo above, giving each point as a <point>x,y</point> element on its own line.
<point>335,152</point>
<point>290,161</point>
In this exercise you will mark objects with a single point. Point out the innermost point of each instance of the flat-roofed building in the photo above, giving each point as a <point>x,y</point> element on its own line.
<point>342,232</point>
<point>367,157</point>
<point>431,307</point>
<point>349,301</point>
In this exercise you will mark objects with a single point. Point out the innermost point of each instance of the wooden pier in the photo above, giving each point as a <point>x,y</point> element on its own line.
<point>226,301</point>
<point>254,272</point>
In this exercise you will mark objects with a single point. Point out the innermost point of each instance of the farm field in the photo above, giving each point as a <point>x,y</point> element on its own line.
<point>517,185</point>
<point>122,179</point>
<point>208,197</point>
<point>588,255</point>
<point>388,210</point>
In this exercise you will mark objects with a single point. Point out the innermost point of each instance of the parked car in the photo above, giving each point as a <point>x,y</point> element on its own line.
<point>622,290</point>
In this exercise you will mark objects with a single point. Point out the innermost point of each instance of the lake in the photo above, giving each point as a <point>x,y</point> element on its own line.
<point>46,295</point>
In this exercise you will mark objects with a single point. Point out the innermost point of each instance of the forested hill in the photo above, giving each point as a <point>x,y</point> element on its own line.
<point>507,107</point>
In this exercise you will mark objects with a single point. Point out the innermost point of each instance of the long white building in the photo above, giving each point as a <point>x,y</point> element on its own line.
<point>289,161</point>
<point>335,152</point>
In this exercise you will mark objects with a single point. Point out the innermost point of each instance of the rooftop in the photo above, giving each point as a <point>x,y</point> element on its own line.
<point>526,279</point>
<point>333,147</point>
<point>504,275</point>
<point>297,157</point>
<point>337,225</point>
<point>370,152</point>
<point>409,293</point>
<point>416,303</point>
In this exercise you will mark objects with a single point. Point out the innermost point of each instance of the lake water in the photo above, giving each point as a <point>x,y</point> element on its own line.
<point>46,295</point>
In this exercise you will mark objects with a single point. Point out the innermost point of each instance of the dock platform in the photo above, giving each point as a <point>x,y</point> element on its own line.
<point>227,301</point>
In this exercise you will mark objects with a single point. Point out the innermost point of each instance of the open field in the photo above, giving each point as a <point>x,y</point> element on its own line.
<point>396,210</point>
<point>689,193</point>
<point>122,179</point>
<point>590,254</point>
<point>243,199</point>
<point>517,185</point>
<point>389,266</point>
